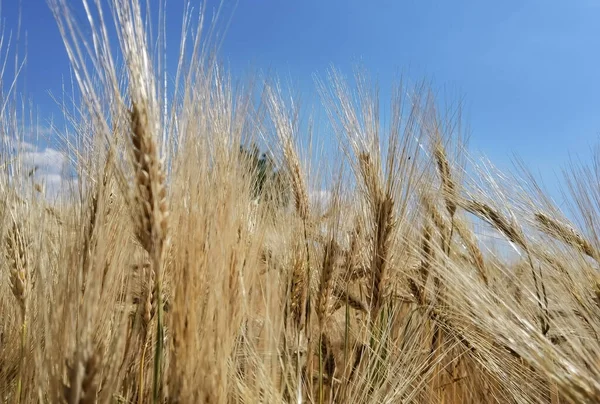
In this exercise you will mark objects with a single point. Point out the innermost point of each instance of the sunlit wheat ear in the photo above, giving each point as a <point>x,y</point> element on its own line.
<point>370,176</point>
<point>16,256</point>
<point>151,193</point>
<point>299,290</point>
<point>493,217</point>
<point>323,302</point>
<point>284,129</point>
<point>566,234</point>
<point>470,243</point>
<point>438,220</point>
<point>148,302</point>
<point>427,257</point>
<point>97,211</point>
<point>448,184</point>
<point>298,185</point>
<point>345,297</point>
<point>352,272</point>
<point>151,219</point>
<point>383,239</point>
<point>596,291</point>
<point>326,284</point>
<point>515,235</point>
<point>382,208</point>
<point>89,239</point>
<point>328,360</point>
<point>300,299</point>
<point>82,384</point>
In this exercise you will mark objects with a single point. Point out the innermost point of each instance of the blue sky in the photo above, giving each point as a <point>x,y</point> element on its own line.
<point>527,71</point>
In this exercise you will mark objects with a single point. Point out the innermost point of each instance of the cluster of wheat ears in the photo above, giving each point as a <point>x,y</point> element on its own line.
<point>160,277</point>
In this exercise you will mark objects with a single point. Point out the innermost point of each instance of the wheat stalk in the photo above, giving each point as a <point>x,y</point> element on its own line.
<point>148,310</point>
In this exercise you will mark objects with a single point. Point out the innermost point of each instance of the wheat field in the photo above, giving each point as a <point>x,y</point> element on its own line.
<point>162,276</point>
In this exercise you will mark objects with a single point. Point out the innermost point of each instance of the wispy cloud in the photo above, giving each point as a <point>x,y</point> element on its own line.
<point>49,160</point>
<point>319,199</point>
<point>47,166</point>
<point>41,130</point>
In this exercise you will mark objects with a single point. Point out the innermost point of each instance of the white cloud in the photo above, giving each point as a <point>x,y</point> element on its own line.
<point>43,130</point>
<point>26,147</point>
<point>50,180</point>
<point>34,132</point>
<point>319,199</point>
<point>48,166</point>
<point>16,145</point>
<point>49,160</point>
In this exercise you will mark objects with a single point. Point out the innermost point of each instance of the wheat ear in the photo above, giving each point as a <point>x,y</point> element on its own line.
<point>16,254</point>
<point>383,216</point>
<point>438,220</point>
<point>299,290</point>
<point>344,297</point>
<point>152,214</point>
<point>326,284</point>
<point>82,381</point>
<point>495,218</point>
<point>448,185</point>
<point>325,291</point>
<point>566,234</point>
<point>427,256</point>
<point>467,237</point>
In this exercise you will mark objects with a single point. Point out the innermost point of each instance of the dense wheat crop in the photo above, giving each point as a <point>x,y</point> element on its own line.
<point>161,276</point>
